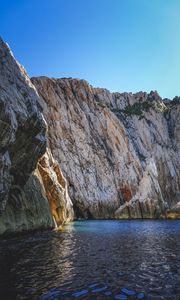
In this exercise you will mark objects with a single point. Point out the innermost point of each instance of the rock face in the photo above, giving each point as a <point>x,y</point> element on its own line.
<point>22,134</point>
<point>29,210</point>
<point>56,190</point>
<point>23,194</point>
<point>119,152</point>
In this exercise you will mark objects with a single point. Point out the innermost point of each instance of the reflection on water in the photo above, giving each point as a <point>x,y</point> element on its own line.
<point>140,256</point>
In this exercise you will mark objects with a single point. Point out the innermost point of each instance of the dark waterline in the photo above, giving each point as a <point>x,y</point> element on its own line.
<point>141,256</point>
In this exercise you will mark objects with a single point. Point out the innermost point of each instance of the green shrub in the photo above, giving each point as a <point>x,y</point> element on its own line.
<point>137,108</point>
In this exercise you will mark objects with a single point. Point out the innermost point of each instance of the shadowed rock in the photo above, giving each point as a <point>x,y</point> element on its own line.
<point>23,197</point>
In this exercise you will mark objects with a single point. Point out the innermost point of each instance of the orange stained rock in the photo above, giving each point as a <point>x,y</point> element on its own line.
<point>56,189</point>
<point>127,195</point>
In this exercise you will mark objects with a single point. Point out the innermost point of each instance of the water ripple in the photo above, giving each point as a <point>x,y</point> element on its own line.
<point>94,260</point>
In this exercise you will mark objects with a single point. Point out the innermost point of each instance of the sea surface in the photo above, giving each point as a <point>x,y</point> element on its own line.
<point>93,260</point>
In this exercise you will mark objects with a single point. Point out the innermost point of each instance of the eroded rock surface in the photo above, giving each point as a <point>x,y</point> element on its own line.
<point>23,196</point>
<point>29,210</point>
<point>119,152</point>
<point>55,186</point>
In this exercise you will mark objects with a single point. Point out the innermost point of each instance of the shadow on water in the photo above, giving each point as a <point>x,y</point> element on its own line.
<point>94,260</point>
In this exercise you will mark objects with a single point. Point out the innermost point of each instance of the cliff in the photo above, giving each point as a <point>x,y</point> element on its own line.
<point>120,152</point>
<point>116,154</point>
<point>26,165</point>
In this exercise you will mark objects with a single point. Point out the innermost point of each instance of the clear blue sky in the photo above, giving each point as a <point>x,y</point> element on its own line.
<point>123,45</point>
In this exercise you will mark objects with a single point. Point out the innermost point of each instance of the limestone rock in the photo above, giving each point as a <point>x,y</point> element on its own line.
<point>56,189</point>
<point>29,210</point>
<point>119,152</point>
<point>23,197</point>
<point>22,134</point>
<point>174,212</point>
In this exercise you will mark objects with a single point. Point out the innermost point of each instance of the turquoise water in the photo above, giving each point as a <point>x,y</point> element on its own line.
<point>94,260</point>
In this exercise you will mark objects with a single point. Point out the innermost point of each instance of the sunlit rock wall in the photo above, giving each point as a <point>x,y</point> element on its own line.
<point>55,186</point>
<point>119,152</point>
